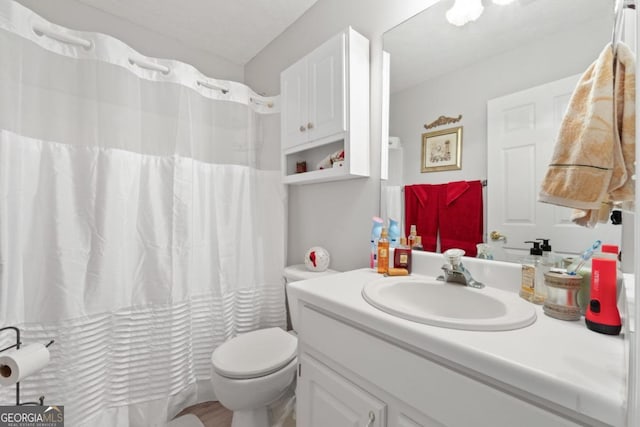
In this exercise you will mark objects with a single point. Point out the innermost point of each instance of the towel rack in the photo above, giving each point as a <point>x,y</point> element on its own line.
<point>619,7</point>
<point>483,182</point>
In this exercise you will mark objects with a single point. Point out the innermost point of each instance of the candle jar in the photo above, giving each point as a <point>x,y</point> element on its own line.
<point>562,296</point>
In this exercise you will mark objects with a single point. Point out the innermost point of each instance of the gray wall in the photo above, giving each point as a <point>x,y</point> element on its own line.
<point>335,215</point>
<point>78,16</point>
<point>466,91</point>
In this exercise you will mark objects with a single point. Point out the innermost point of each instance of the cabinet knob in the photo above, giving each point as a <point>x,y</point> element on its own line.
<point>309,125</point>
<point>372,419</point>
<point>302,128</point>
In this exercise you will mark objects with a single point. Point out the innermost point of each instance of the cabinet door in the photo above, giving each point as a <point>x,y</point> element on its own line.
<point>327,89</point>
<point>325,398</point>
<point>294,87</point>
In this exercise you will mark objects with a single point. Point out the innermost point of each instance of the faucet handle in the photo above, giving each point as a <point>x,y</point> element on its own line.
<point>454,256</point>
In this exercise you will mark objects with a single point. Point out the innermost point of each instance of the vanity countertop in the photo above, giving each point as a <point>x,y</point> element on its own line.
<point>558,362</point>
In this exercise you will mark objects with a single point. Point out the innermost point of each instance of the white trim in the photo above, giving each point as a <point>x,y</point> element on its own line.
<point>633,383</point>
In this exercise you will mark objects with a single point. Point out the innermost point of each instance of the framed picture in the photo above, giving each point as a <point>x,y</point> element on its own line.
<point>442,150</point>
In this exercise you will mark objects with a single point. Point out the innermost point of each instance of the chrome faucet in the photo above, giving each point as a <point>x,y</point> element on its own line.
<point>454,271</point>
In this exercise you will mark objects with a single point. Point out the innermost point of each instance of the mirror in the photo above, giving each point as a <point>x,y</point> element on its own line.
<point>437,69</point>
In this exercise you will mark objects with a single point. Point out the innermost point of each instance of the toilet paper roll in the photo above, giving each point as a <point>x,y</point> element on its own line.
<point>18,364</point>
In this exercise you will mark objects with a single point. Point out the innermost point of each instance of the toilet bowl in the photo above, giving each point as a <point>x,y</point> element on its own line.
<point>253,370</point>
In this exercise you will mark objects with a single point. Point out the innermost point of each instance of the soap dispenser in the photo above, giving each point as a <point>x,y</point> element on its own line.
<point>549,258</point>
<point>530,270</point>
<point>548,261</point>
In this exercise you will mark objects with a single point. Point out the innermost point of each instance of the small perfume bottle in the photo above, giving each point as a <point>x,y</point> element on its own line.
<point>402,255</point>
<point>411,240</point>
<point>383,252</point>
<point>417,246</point>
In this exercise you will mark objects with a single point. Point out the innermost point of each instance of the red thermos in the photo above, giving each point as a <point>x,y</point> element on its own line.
<point>602,313</point>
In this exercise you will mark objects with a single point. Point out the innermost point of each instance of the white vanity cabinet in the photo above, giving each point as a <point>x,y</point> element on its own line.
<point>348,376</point>
<point>325,109</point>
<point>333,400</point>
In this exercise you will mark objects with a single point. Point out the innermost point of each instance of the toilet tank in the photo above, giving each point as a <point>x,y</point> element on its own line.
<point>296,273</point>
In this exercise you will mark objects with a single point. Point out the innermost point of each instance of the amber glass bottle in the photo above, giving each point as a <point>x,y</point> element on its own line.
<point>383,252</point>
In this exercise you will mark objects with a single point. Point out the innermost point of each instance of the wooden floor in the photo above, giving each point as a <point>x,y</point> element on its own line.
<point>212,414</point>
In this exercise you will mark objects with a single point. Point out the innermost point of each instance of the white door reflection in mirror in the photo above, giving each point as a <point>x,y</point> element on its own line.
<point>521,133</point>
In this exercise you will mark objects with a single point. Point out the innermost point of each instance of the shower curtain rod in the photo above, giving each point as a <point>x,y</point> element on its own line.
<point>90,45</point>
<point>41,31</point>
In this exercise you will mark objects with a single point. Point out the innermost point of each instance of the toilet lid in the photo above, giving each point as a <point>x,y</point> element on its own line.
<point>300,272</point>
<point>255,354</point>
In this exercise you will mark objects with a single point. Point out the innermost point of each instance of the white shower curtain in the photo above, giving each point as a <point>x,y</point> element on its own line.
<point>137,228</point>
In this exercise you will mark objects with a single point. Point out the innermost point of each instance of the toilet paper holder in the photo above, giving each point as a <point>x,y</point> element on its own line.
<point>17,347</point>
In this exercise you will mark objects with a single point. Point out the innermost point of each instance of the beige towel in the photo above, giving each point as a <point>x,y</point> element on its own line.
<point>593,161</point>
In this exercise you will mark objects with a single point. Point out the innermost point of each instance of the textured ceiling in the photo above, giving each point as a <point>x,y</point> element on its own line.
<point>232,29</point>
<point>426,46</point>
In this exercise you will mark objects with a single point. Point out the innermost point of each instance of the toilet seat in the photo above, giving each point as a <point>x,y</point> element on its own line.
<point>255,354</point>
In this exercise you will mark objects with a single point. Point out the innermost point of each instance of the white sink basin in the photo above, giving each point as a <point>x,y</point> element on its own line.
<point>449,305</point>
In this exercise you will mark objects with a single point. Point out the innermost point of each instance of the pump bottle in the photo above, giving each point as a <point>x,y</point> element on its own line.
<point>549,258</point>
<point>548,261</point>
<point>529,288</point>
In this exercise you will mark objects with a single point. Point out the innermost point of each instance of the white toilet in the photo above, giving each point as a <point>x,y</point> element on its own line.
<point>254,369</point>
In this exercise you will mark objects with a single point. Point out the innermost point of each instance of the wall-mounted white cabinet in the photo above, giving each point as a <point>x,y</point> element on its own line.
<point>325,110</point>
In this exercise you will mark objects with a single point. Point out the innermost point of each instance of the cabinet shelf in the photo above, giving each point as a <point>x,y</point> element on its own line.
<point>325,109</point>
<point>323,175</point>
